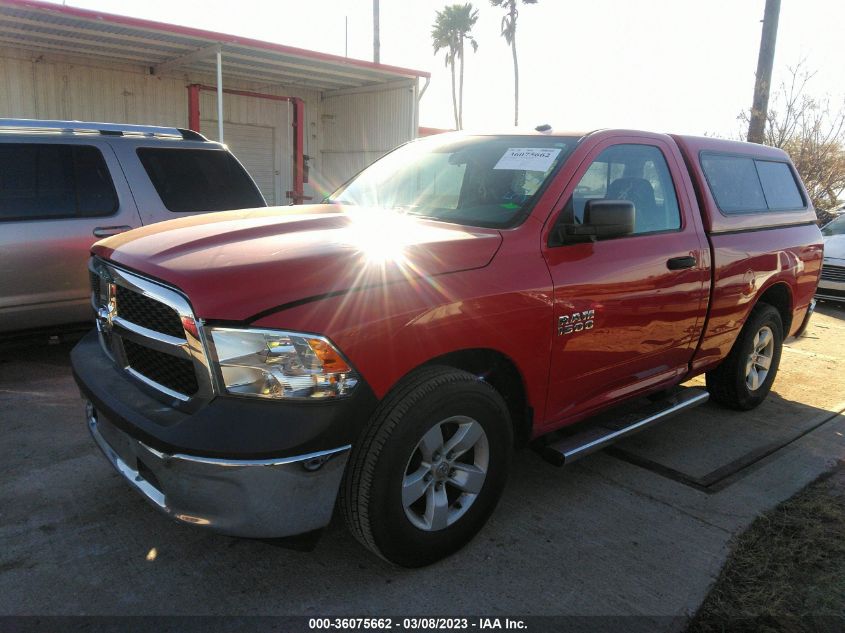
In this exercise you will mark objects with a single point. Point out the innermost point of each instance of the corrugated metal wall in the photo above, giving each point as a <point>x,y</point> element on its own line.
<point>342,133</point>
<point>359,128</point>
<point>42,87</point>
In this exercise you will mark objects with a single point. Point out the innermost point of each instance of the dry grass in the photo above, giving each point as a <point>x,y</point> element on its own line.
<point>787,571</point>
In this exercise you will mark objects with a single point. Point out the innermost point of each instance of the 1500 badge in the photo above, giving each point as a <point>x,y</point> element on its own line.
<point>575,322</point>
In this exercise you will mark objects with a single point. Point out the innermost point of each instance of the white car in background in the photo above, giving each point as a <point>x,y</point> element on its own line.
<point>832,282</point>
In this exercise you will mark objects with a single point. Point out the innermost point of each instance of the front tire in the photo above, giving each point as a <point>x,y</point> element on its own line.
<point>430,468</point>
<point>743,380</point>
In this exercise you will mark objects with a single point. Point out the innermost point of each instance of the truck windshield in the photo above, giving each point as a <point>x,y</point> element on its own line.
<point>835,227</point>
<point>489,181</point>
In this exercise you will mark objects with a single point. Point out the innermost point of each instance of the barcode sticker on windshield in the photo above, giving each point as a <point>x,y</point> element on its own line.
<point>528,158</point>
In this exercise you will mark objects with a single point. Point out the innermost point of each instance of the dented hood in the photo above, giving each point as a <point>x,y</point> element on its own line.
<point>235,264</point>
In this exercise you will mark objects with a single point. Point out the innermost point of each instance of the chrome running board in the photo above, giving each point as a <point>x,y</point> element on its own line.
<point>606,429</point>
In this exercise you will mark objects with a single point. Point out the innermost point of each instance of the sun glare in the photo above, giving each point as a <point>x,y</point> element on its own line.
<point>382,235</point>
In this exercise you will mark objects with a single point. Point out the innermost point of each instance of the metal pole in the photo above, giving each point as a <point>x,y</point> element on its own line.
<point>765,61</point>
<point>219,95</point>
<point>376,41</point>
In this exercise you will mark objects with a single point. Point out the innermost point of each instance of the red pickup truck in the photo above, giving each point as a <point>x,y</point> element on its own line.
<point>387,350</point>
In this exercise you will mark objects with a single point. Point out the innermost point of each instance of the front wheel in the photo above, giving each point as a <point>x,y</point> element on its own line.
<point>745,377</point>
<point>429,470</point>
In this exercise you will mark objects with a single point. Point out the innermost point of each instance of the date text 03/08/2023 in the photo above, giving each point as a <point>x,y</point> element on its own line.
<point>415,624</point>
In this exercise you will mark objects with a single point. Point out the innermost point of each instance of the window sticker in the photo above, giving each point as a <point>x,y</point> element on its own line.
<point>528,158</point>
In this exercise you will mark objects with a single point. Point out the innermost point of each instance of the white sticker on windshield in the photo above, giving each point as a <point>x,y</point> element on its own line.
<point>528,158</point>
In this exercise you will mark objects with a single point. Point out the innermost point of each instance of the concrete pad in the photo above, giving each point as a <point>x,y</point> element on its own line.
<point>604,537</point>
<point>77,541</point>
<point>708,444</point>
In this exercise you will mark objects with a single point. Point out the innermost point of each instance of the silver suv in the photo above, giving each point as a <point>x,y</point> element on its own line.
<point>66,184</point>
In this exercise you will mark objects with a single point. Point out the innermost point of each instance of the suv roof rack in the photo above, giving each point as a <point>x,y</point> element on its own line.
<point>109,129</point>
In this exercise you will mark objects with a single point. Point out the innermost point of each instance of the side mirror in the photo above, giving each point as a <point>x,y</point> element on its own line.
<point>602,219</point>
<point>610,218</point>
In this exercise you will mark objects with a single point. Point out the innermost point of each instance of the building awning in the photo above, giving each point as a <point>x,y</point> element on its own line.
<point>166,48</point>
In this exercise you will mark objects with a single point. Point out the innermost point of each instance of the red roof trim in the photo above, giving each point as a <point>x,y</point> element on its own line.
<point>224,38</point>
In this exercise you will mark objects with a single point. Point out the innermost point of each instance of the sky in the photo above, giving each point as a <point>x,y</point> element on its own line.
<point>684,66</point>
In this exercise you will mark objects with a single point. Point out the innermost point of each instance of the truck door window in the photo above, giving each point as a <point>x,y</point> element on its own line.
<point>637,173</point>
<point>44,181</point>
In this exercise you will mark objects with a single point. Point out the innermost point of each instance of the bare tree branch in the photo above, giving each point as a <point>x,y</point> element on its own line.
<point>812,131</point>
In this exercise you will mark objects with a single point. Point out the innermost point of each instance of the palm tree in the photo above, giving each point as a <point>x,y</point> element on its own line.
<point>509,33</point>
<point>450,31</point>
<point>443,37</point>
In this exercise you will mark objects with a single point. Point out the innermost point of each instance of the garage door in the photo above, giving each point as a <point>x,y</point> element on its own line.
<point>254,145</point>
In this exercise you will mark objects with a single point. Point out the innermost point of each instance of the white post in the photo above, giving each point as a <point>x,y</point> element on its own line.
<point>219,95</point>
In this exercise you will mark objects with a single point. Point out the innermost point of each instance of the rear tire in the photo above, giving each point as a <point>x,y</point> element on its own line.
<point>430,467</point>
<point>743,380</point>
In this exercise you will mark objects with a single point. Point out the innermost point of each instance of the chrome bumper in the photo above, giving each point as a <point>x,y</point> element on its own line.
<point>256,499</point>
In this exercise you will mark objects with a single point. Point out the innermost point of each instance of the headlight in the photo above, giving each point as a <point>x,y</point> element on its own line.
<point>277,364</point>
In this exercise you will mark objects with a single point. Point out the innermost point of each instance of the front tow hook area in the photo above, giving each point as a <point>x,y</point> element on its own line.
<point>275,498</point>
<point>132,475</point>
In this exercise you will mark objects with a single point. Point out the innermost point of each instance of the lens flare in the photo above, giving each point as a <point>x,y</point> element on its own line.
<point>382,235</point>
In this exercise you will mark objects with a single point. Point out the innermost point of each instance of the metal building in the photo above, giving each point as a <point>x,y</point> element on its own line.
<point>302,122</point>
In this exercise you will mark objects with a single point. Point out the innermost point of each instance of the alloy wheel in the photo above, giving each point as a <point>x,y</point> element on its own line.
<point>445,473</point>
<point>760,359</point>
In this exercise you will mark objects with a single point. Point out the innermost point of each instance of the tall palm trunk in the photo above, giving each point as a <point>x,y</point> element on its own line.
<point>461,98</point>
<point>515,82</point>
<point>515,65</point>
<point>454,94</point>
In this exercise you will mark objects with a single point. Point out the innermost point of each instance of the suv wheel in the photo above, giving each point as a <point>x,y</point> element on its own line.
<point>745,377</point>
<point>430,468</point>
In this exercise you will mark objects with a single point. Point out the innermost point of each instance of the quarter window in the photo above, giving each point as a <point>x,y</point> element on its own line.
<point>637,173</point>
<point>43,181</point>
<point>192,180</point>
<point>779,185</point>
<point>741,184</point>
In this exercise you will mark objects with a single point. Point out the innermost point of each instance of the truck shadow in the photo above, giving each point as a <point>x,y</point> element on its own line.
<point>713,447</point>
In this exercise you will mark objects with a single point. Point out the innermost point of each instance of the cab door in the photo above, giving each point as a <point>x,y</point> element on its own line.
<point>628,310</point>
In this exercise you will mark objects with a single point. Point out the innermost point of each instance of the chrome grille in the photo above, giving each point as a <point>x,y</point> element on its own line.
<point>95,288</point>
<point>148,313</point>
<point>149,330</point>
<point>830,293</point>
<point>177,374</point>
<point>833,273</point>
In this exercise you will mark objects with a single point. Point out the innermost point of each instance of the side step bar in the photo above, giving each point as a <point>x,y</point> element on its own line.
<point>608,429</point>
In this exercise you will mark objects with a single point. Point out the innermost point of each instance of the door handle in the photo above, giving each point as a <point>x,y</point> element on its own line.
<point>108,231</point>
<point>679,263</point>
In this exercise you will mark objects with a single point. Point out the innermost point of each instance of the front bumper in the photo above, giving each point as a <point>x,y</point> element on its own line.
<point>830,290</point>
<point>251,498</point>
<point>244,467</point>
